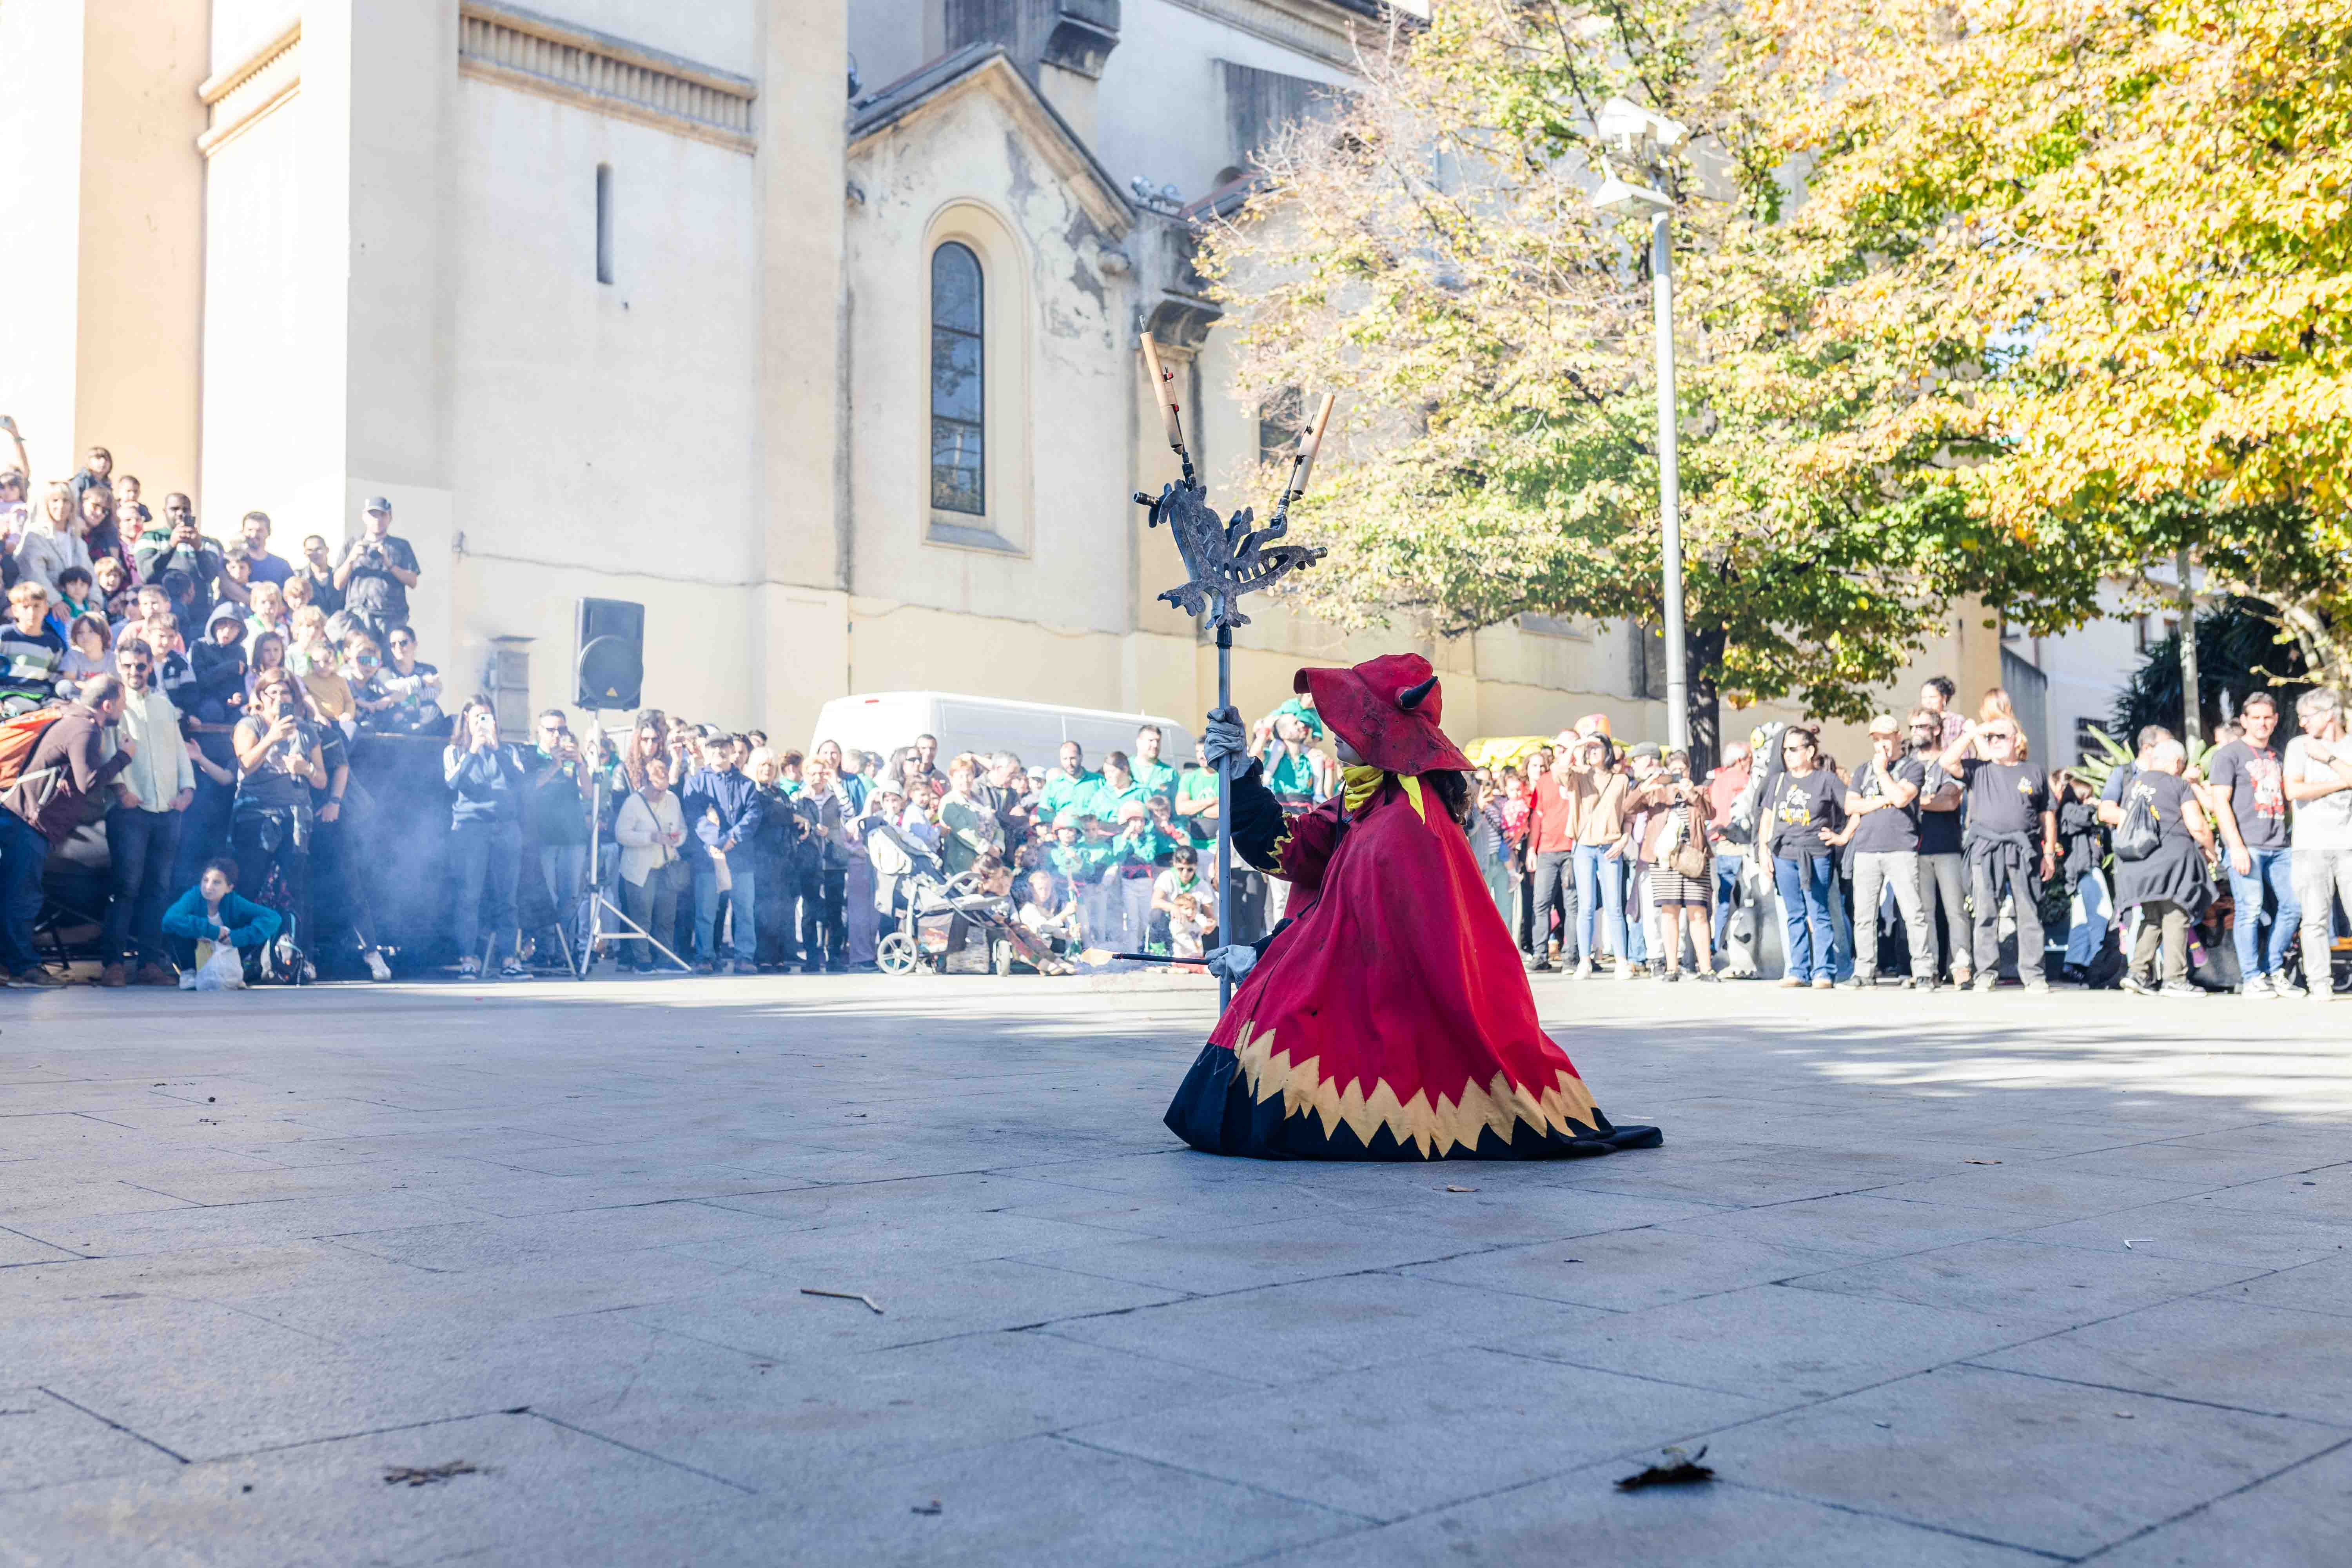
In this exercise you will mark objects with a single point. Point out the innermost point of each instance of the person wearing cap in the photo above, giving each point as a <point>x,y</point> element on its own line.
<point>1386,1018</point>
<point>376,572</point>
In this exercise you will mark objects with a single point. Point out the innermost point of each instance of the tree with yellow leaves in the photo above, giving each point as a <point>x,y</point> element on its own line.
<point>2101,253</point>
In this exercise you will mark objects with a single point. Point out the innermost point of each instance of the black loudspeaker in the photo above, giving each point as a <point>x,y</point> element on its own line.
<point>611,658</point>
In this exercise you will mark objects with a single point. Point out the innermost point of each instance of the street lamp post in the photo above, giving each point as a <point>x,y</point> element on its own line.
<point>1630,127</point>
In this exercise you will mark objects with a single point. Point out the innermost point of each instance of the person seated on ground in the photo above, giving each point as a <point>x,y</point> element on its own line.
<point>1182,878</point>
<point>90,649</point>
<point>1186,926</point>
<point>1049,911</point>
<point>415,685</point>
<point>30,652</point>
<point>214,913</point>
<point>220,666</point>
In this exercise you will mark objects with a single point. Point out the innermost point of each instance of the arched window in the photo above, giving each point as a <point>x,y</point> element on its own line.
<point>957,473</point>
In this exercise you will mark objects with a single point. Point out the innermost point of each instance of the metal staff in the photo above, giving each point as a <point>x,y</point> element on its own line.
<point>1226,560</point>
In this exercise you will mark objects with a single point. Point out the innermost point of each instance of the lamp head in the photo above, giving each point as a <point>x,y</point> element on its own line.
<point>1617,195</point>
<point>1624,124</point>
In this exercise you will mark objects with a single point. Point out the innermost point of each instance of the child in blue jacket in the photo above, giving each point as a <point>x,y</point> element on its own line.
<point>212,911</point>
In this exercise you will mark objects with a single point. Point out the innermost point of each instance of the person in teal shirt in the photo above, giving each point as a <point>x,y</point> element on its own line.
<point>1299,779</point>
<point>1156,776</point>
<point>1067,786</point>
<point>1196,804</point>
<point>1113,790</point>
<point>1071,858</point>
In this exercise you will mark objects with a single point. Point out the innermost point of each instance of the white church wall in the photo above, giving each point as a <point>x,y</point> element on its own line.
<point>1057,490</point>
<point>604,436</point>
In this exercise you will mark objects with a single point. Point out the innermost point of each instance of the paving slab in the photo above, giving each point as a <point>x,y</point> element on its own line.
<point>2047,1466</point>
<point>286,1239</point>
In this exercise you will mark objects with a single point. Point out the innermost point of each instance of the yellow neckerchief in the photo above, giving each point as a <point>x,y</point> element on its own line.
<point>1358,784</point>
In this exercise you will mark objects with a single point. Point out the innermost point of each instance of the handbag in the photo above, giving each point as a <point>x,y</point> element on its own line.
<point>1688,859</point>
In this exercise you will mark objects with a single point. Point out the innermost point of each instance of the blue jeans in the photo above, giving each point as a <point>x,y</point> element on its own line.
<point>486,854</point>
<point>1726,893</point>
<point>2092,913</point>
<point>2273,870</point>
<point>1600,890</point>
<point>140,844</point>
<point>1805,893</point>
<point>742,902</point>
<point>24,855</point>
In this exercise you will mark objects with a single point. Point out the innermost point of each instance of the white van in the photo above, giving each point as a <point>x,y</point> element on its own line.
<point>1034,732</point>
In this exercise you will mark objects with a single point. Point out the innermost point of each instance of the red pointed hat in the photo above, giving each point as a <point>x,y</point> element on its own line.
<point>1386,708</point>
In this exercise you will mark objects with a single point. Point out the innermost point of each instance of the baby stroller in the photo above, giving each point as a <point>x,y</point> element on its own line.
<point>934,915</point>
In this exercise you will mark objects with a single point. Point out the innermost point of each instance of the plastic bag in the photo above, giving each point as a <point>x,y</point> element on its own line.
<point>224,971</point>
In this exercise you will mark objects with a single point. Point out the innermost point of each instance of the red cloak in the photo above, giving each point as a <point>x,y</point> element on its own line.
<point>1391,1018</point>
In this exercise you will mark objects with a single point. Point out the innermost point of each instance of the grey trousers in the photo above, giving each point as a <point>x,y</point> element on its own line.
<point>2163,928</point>
<point>1945,877</point>
<point>2320,877</point>
<point>1897,870</point>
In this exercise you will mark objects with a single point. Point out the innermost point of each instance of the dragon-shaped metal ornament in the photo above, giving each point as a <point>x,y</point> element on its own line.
<point>1229,558</point>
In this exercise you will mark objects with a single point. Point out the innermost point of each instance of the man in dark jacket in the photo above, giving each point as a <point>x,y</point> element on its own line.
<point>724,810</point>
<point>42,807</point>
<point>173,544</point>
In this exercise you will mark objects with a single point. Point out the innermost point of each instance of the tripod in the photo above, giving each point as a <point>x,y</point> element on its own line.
<point>599,906</point>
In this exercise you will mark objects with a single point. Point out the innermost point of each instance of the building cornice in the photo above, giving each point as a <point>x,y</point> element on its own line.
<point>986,69</point>
<point>262,82</point>
<point>1323,29</point>
<point>605,75</point>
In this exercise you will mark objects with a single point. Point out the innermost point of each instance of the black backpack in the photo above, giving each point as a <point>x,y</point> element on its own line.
<point>2137,837</point>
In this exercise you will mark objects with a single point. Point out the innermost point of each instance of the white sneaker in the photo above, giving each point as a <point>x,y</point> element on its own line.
<point>1628,970</point>
<point>2257,986</point>
<point>1584,968</point>
<point>377,968</point>
<point>187,980</point>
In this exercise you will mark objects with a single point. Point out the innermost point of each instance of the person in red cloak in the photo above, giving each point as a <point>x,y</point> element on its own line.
<point>1387,1018</point>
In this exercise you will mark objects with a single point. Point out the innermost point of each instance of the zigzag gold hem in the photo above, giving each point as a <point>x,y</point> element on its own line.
<point>1565,1109</point>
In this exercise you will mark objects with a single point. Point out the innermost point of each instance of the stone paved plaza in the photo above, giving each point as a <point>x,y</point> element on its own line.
<point>1937,1279</point>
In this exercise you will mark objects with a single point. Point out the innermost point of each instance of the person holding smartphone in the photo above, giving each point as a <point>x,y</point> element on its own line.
<point>279,763</point>
<point>376,572</point>
<point>486,785</point>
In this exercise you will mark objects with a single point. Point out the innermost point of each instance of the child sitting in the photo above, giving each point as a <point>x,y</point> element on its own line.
<point>1184,928</point>
<point>30,652</point>
<point>90,649</point>
<point>211,913</point>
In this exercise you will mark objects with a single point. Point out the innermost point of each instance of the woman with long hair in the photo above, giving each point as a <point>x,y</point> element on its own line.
<point>1387,1018</point>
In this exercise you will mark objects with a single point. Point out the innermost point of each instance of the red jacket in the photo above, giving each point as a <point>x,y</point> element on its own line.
<point>63,769</point>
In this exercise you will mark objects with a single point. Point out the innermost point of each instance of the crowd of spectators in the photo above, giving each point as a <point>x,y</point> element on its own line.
<point>196,704</point>
<point>1946,855</point>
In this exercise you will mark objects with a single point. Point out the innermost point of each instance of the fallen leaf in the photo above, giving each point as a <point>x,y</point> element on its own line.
<point>1461,1189</point>
<point>1681,1470</point>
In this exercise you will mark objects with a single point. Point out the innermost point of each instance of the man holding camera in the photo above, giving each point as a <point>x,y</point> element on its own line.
<point>376,572</point>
